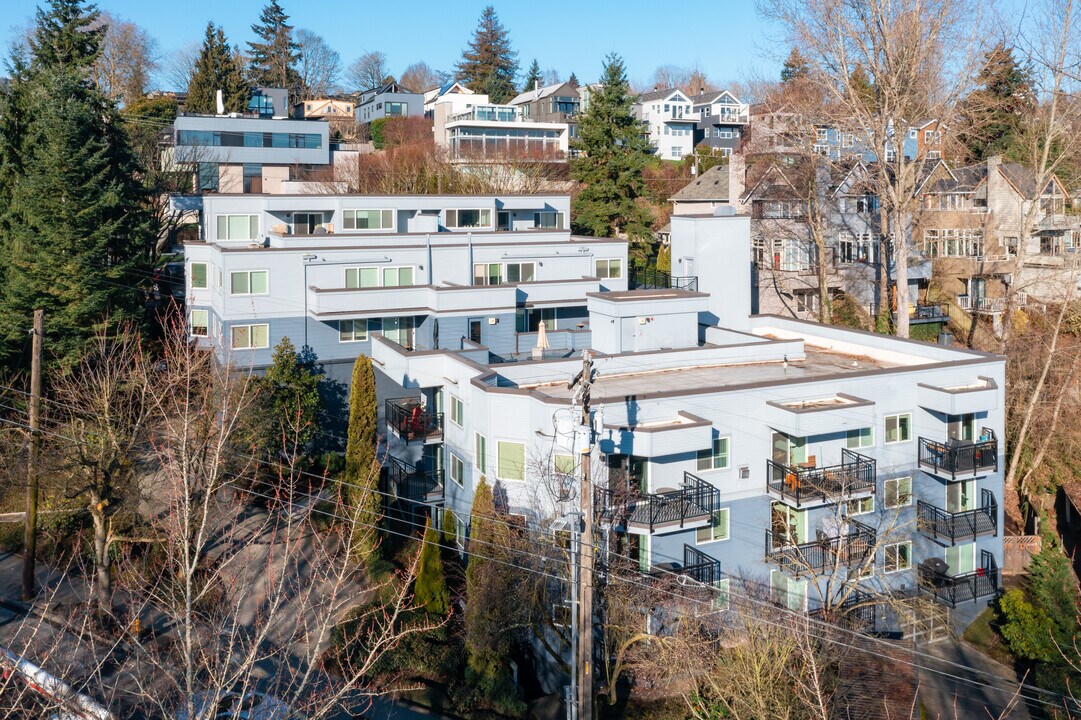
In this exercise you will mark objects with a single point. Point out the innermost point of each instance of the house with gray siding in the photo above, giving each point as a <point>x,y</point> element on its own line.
<point>742,450</point>
<point>429,272</point>
<point>389,100</point>
<point>722,120</point>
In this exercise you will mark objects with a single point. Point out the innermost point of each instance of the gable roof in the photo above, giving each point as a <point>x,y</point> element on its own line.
<point>663,94</point>
<point>538,94</point>
<point>709,98</point>
<point>713,184</point>
<point>1024,181</point>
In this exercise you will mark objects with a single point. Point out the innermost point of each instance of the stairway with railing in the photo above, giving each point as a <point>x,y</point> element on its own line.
<point>408,483</point>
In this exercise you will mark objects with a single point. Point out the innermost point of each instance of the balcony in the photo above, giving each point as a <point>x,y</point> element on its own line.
<point>700,567</point>
<point>803,485</point>
<point>989,306</point>
<point>935,580</point>
<point>852,548</point>
<point>412,423</point>
<point>922,314</point>
<point>857,612</point>
<point>691,506</point>
<point>408,483</point>
<point>652,278</point>
<point>940,525</point>
<point>958,458</point>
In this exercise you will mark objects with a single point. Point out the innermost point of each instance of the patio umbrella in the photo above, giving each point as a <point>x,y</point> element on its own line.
<point>542,336</point>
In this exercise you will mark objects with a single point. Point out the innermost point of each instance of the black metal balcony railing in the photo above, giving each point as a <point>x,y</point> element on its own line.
<point>857,612</point>
<point>953,590</point>
<point>938,524</point>
<point>934,313</point>
<point>411,422</point>
<point>851,548</point>
<point>646,278</point>
<point>700,567</point>
<point>855,474</point>
<point>950,459</point>
<point>694,502</point>
<point>408,483</point>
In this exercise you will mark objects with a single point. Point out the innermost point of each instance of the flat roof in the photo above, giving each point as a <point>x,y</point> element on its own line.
<point>645,294</point>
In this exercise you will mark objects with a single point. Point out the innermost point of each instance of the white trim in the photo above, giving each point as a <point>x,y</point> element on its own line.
<point>249,273</point>
<point>885,548</point>
<point>885,433</point>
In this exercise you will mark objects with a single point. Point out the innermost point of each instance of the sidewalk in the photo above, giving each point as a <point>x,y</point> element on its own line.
<point>967,692</point>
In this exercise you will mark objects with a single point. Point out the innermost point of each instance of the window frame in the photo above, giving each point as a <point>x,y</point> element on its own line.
<point>897,418</point>
<point>457,217</point>
<point>456,462</point>
<point>860,444</point>
<point>499,464</point>
<point>886,558</point>
<point>487,276</point>
<point>480,452</point>
<point>608,268</point>
<point>249,326</point>
<point>206,276</point>
<point>382,216</point>
<point>712,532</point>
<point>249,273</point>
<point>457,411</point>
<point>519,264</point>
<point>252,217</point>
<point>714,453</point>
<point>859,502</point>
<point>398,271</point>
<point>353,333</point>
<point>192,325</point>
<point>896,493</point>
<point>359,270</point>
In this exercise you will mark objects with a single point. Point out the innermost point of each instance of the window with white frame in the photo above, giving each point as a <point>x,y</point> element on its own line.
<point>362,277</point>
<point>609,268</point>
<point>862,438</point>
<point>898,428</point>
<point>368,219</point>
<point>897,492</point>
<point>200,323</point>
<point>953,242</point>
<point>199,279</point>
<point>472,218</point>
<point>488,273</point>
<point>397,276</point>
<point>510,460</point>
<point>480,452</point>
<point>249,337</point>
<point>897,557</point>
<point>860,506</point>
<point>717,529</point>
<point>238,227</point>
<point>551,220</point>
<point>457,411</point>
<point>352,331</point>
<point>248,282</point>
<point>716,458</point>
<point>457,470</point>
<point>521,272</point>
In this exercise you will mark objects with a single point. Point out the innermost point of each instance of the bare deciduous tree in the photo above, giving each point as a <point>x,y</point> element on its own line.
<point>179,66</point>
<point>368,71</point>
<point>420,77</point>
<point>127,59</point>
<point>320,65</point>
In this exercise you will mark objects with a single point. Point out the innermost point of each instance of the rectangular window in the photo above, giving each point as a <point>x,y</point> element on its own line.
<point>521,272</point>
<point>362,277</point>
<point>862,438</point>
<point>898,492</point>
<point>717,529</point>
<point>564,464</point>
<point>368,219</point>
<point>860,506</point>
<point>469,218</point>
<point>722,599</point>
<point>480,453</point>
<point>898,428</point>
<point>238,227</point>
<point>457,470</point>
<point>716,458</point>
<point>457,411</point>
<point>488,274</point>
<point>549,220</point>
<point>352,331</point>
<point>510,461</point>
<point>200,323</point>
<point>397,276</point>
<point>897,557</point>
<point>612,268</point>
<point>250,337</point>
<point>248,282</point>
<point>198,276</point>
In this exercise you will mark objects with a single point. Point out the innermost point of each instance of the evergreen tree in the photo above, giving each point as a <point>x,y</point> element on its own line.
<point>795,67</point>
<point>290,400</point>
<point>430,589</point>
<point>993,115</point>
<point>450,528</point>
<point>275,56</point>
<point>533,77</point>
<point>489,65</point>
<point>613,154</point>
<point>76,234</point>
<point>862,85</point>
<point>573,80</point>
<point>217,68</point>
<point>361,473</point>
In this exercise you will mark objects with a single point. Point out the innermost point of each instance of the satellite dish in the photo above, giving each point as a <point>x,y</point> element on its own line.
<point>221,103</point>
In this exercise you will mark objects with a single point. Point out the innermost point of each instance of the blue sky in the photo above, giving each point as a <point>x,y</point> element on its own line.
<point>566,35</point>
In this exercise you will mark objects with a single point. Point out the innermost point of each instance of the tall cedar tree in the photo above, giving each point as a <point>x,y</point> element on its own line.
<point>533,78</point>
<point>218,68</point>
<point>613,153</point>
<point>291,404</point>
<point>795,67</point>
<point>489,65</point>
<point>275,56</point>
<point>76,233</point>
<point>430,589</point>
<point>994,114</point>
<point>573,80</point>
<point>490,590</point>
<point>361,474</point>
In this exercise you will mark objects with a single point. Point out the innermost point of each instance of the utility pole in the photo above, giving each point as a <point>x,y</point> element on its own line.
<point>31,528</point>
<point>584,655</point>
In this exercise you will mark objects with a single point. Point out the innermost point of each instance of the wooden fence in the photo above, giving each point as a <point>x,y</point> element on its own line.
<point>1017,553</point>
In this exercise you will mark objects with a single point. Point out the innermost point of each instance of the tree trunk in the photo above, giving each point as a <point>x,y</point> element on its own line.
<point>103,582</point>
<point>900,264</point>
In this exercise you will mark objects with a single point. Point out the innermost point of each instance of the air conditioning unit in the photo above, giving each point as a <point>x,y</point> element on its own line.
<point>744,472</point>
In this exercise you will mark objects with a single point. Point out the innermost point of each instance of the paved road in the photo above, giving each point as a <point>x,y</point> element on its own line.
<point>970,693</point>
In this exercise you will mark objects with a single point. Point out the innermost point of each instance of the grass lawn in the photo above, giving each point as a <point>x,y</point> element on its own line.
<point>982,635</point>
